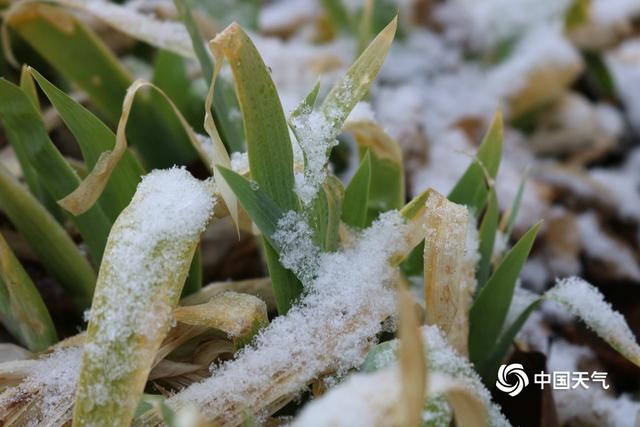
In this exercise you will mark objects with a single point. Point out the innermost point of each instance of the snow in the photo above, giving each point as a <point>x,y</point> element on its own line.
<point>369,399</point>
<point>316,135</point>
<point>286,13</point>
<point>296,65</point>
<point>621,186</point>
<point>240,162</point>
<point>331,328</point>
<point>585,301</point>
<point>148,247</point>
<point>623,63</point>
<point>362,111</point>
<point>599,245</point>
<point>48,390</point>
<point>614,11</point>
<point>489,22</point>
<point>297,250</point>
<point>365,400</point>
<point>426,89</point>
<point>170,35</point>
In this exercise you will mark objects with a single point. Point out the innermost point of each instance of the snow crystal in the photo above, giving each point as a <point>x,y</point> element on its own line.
<point>49,389</point>
<point>240,162</point>
<point>316,137</point>
<point>298,253</point>
<point>585,301</point>
<point>330,329</point>
<point>146,249</point>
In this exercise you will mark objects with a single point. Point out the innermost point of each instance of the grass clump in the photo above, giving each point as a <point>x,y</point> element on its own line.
<point>348,262</point>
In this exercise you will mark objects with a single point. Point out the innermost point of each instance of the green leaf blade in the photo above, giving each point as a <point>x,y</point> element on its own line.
<point>79,56</point>
<point>53,246</point>
<point>471,189</point>
<point>94,138</point>
<point>27,135</point>
<point>22,310</point>
<point>356,197</point>
<point>490,308</point>
<point>487,235</point>
<point>265,126</point>
<point>265,213</point>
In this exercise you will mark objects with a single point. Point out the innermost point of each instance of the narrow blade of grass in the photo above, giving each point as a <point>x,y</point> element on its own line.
<point>512,214</point>
<point>324,214</point>
<point>267,138</point>
<point>224,100</point>
<point>487,237</point>
<point>387,189</point>
<point>356,196</point>
<point>76,53</point>
<point>347,92</point>
<point>262,209</point>
<point>306,105</point>
<point>53,246</point>
<point>472,188</point>
<point>93,186</point>
<point>580,299</point>
<point>79,56</point>
<point>265,213</point>
<point>490,308</point>
<point>27,135</point>
<point>22,310</point>
<point>170,74</point>
<point>94,138</point>
<point>30,175</point>
<point>488,370</point>
<point>585,301</point>
<point>28,86</point>
<point>411,355</point>
<point>193,283</point>
<point>286,286</point>
<point>266,130</point>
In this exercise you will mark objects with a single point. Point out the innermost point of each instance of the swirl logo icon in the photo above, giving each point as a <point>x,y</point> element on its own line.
<point>515,370</point>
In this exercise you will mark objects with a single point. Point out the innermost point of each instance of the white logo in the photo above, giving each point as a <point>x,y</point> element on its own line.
<point>517,370</point>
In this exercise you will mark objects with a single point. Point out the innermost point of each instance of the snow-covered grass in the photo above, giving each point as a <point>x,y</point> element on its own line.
<point>334,281</point>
